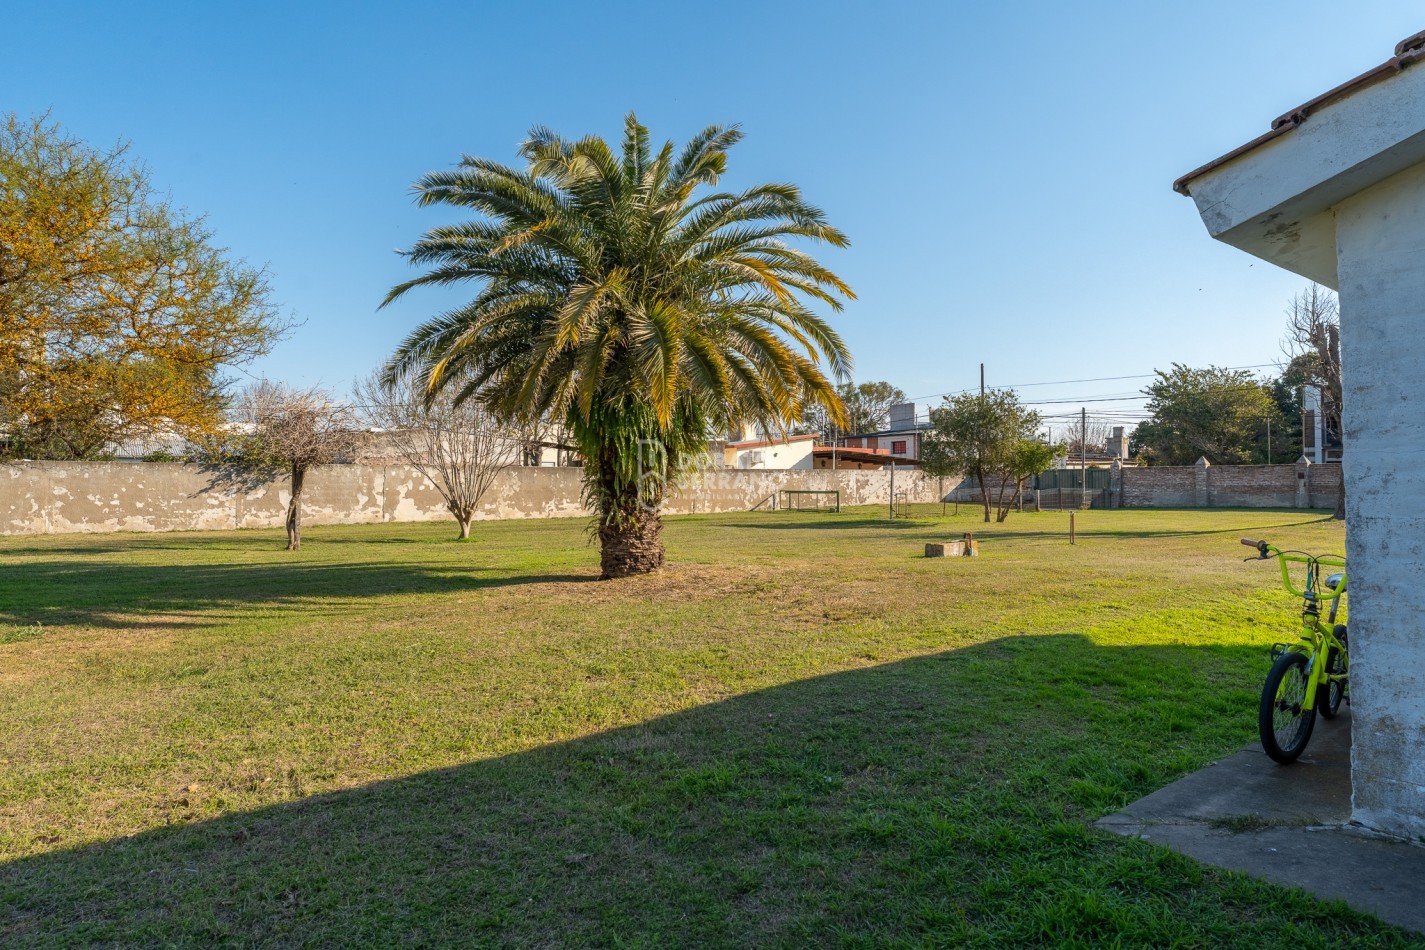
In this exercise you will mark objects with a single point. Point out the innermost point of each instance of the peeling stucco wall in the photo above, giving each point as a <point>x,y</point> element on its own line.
<point>68,497</point>
<point>1380,237</point>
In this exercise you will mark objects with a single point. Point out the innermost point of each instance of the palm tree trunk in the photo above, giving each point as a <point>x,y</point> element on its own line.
<point>631,544</point>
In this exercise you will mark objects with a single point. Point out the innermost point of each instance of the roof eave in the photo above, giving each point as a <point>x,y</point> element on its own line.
<point>1407,52</point>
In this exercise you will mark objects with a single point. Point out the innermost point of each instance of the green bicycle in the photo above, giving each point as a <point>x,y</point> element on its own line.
<point>1309,676</point>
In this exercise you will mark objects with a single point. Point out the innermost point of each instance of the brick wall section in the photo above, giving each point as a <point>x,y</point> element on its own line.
<point>1230,486</point>
<point>1161,486</point>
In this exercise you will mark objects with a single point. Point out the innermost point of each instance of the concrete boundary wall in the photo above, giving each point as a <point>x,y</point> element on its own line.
<point>70,497</point>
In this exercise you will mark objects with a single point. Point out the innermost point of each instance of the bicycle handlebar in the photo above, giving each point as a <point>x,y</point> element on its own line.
<point>1288,558</point>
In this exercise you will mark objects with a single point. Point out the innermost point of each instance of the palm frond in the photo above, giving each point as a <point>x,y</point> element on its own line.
<point>618,290</point>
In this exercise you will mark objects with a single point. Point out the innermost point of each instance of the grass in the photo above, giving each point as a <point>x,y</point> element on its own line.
<point>801,733</point>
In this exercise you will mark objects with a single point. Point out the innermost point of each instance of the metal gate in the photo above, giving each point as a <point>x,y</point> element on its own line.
<point>1067,489</point>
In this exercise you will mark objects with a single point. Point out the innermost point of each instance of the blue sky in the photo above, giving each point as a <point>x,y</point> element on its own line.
<point>1003,170</point>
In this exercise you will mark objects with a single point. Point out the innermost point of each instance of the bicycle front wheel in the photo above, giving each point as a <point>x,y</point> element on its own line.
<point>1284,723</point>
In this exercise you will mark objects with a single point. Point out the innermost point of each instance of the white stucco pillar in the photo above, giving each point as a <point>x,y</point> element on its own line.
<point>1380,246</point>
<point>1335,192</point>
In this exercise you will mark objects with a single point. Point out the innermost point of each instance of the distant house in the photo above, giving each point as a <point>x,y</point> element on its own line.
<point>554,449</point>
<point>840,458</point>
<point>157,446</point>
<point>901,438</point>
<point>792,451</point>
<point>898,443</point>
<point>1318,442</point>
<point>1115,449</point>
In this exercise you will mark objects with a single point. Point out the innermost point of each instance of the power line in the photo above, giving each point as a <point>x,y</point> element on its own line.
<point>1079,401</point>
<point>1096,379</point>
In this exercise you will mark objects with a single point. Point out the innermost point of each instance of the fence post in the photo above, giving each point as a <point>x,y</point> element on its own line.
<point>1199,482</point>
<point>1115,484</point>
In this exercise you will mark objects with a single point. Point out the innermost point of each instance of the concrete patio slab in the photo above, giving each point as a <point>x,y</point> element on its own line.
<point>1286,824</point>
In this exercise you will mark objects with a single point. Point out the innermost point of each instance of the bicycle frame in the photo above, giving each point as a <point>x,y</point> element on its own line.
<point>1317,638</point>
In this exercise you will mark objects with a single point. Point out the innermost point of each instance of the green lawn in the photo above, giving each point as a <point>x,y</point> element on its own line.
<point>801,733</point>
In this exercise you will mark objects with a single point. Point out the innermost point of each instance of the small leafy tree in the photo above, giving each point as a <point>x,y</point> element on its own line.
<point>1030,457</point>
<point>458,446</point>
<point>991,437</point>
<point>278,428</point>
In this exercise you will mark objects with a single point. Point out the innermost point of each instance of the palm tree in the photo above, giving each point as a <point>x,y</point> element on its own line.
<point>611,297</point>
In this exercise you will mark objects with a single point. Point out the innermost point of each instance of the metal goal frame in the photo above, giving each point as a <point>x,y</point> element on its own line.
<point>795,499</point>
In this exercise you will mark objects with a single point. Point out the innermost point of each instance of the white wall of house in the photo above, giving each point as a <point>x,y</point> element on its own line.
<point>1380,239</point>
<point>1340,199</point>
<point>795,452</point>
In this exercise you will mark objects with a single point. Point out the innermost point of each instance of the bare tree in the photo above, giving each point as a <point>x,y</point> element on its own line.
<point>457,446</point>
<point>1098,433</point>
<point>532,436</point>
<point>1313,341</point>
<point>280,428</point>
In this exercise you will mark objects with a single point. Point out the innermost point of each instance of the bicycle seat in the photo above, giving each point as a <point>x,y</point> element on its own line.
<point>1335,579</point>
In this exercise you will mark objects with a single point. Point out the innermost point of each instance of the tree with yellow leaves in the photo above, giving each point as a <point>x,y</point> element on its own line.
<point>117,312</point>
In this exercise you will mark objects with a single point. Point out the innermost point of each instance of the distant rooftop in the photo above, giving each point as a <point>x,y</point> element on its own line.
<point>756,443</point>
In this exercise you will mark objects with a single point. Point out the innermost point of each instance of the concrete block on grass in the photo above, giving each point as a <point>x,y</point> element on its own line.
<point>952,549</point>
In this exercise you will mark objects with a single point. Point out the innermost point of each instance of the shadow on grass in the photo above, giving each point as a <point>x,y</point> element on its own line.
<point>821,521</point>
<point>121,595</point>
<point>241,539</point>
<point>941,799</point>
<point>1090,524</point>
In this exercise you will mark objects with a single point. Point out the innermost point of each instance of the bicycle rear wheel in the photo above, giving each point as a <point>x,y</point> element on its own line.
<point>1285,725</point>
<point>1328,696</point>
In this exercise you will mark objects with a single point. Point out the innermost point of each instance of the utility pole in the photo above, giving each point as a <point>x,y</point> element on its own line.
<point>893,488</point>
<point>982,379</point>
<point>1269,440</point>
<point>1083,453</point>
